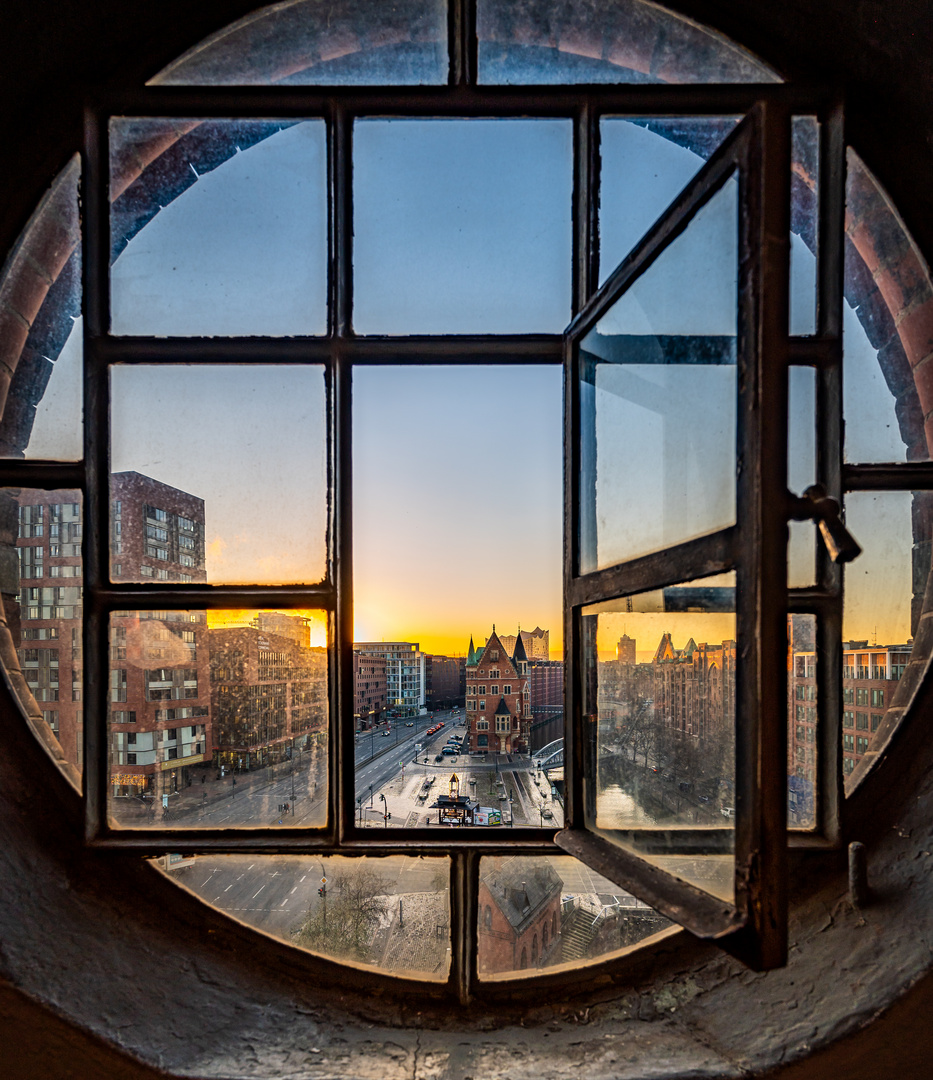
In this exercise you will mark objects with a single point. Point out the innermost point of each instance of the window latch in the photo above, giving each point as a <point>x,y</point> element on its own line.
<point>816,505</point>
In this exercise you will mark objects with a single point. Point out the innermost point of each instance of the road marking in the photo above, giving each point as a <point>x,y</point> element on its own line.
<point>229,887</point>
<point>251,865</point>
<point>216,898</point>
<point>303,876</point>
<point>255,894</point>
<point>292,893</point>
<point>206,880</point>
<point>284,902</point>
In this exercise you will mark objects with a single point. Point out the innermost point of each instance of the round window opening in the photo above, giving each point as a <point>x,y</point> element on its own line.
<point>354,310</point>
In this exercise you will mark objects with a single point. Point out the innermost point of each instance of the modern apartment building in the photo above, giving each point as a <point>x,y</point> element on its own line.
<point>405,673</point>
<point>49,549</point>
<point>159,698</point>
<point>536,643</point>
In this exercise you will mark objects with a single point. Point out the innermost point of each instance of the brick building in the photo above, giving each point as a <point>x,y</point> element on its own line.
<point>519,914</point>
<point>694,688</point>
<point>870,674</point>
<point>49,550</point>
<point>498,698</point>
<point>157,531</point>
<point>369,689</point>
<point>268,696</point>
<point>442,681</point>
<point>160,716</point>
<point>159,691</point>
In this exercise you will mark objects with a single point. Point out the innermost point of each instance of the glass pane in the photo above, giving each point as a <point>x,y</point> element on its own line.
<point>306,43</point>
<point>658,399</point>
<point>801,472</point>
<point>801,722</point>
<point>645,164</point>
<point>390,914</point>
<point>219,227</point>
<point>218,718</point>
<point>884,591</point>
<point>550,912</point>
<point>804,222</point>
<point>462,226</point>
<point>432,631</point>
<point>629,41</point>
<point>47,632</point>
<point>664,727</point>
<point>234,489</point>
<point>887,328</point>
<point>40,329</point>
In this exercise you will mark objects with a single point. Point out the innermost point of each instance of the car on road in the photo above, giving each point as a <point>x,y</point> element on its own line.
<point>386,733</point>
<point>547,813</point>
<point>410,723</point>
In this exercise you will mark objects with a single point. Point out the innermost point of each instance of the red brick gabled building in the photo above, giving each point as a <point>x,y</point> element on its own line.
<point>498,698</point>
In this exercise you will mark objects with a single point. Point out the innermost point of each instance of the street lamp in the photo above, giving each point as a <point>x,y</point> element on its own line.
<point>511,811</point>
<point>385,810</point>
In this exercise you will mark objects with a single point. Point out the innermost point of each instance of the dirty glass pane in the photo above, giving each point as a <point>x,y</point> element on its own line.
<point>884,594</point>
<point>462,226</point>
<point>432,701</point>
<point>664,725</point>
<point>540,913</point>
<point>804,222</point>
<point>40,289</point>
<point>306,43</point>
<point>218,227</point>
<point>801,722</point>
<point>801,472</point>
<point>658,399</point>
<point>390,914</point>
<point>887,338</point>
<point>548,41</point>
<point>47,633</point>
<point>645,164</point>
<point>234,489</point>
<point>218,718</point>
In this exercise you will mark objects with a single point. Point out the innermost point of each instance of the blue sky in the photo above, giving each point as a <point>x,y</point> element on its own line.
<point>460,227</point>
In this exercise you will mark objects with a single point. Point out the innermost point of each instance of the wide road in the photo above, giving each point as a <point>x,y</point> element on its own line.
<point>275,892</point>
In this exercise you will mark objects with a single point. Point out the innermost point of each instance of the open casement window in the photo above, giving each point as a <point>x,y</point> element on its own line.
<point>691,332</point>
<point>677,518</point>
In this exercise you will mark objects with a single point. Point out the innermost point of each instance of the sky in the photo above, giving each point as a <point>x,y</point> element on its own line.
<point>460,227</point>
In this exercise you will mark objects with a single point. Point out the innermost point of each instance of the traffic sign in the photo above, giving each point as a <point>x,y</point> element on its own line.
<point>323,880</point>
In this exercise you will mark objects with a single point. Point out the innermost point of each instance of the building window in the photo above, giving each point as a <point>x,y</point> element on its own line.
<point>186,685</point>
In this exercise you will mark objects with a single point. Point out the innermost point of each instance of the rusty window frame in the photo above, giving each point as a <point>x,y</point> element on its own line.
<point>340,350</point>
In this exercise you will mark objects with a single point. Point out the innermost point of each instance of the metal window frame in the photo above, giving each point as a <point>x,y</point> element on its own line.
<point>339,351</point>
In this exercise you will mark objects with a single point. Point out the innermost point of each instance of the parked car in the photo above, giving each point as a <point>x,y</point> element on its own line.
<point>727,811</point>
<point>451,750</point>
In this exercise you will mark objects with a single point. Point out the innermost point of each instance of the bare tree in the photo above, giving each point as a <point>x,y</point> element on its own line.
<point>344,921</point>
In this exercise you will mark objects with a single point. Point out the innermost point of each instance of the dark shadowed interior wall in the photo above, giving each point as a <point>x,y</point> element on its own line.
<point>107,971</point>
